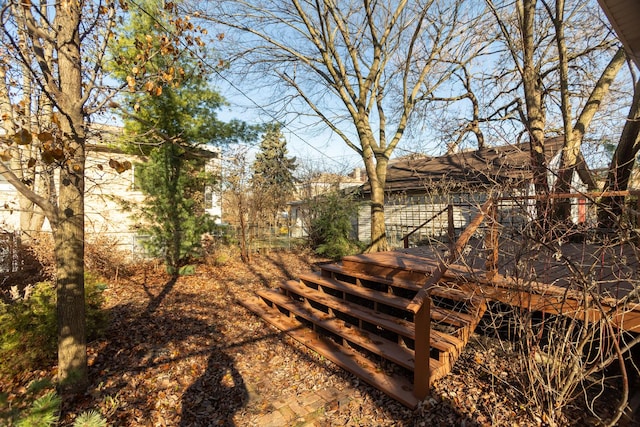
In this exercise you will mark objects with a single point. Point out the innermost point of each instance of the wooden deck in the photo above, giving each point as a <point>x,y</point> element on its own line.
<point>557,280</point>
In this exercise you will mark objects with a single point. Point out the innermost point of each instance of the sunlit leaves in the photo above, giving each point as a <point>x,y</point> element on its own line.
<point>152,43</point>
<point>120,167</point>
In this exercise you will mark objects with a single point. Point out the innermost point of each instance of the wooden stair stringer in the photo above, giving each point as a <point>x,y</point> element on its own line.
<point>396,386</point>
<point>401,356</point>
<point>349,315</point>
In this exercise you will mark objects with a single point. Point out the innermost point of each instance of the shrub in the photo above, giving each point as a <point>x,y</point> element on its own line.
<point>39,406</point>
<point>44,412</point>
<point>219,250</point>
<point>330,229</point>
<point>28,335</point>
<point>103,256</point>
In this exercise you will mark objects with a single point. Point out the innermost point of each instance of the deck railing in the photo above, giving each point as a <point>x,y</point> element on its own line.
<point>450,226</point>
<point>421,303</point>
<point>488,213</point>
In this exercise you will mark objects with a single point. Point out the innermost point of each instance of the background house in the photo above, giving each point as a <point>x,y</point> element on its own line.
<point>419,187</point>
<point>314,186</point>
<point>112,194</point>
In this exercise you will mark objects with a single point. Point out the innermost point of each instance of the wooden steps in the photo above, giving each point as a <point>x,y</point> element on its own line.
<point>361,322</point>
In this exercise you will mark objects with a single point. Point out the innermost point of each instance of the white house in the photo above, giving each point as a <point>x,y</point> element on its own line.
<point>112,194</point>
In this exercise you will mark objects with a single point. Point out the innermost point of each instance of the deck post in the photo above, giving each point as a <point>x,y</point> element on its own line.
<point>491,241</point>
<point>422,368</point>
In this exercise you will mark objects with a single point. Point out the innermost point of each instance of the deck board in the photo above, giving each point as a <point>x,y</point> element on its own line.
<point>612,271</point>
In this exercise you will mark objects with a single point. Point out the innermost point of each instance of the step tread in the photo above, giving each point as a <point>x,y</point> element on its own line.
<point>371,294</point>
<point>443,289</point>
<point>441,341</point>
<point>389,350</point>
<point>399,283</point>
<point>397,387</point>
<point>438,314</point>
<point>448,291</point>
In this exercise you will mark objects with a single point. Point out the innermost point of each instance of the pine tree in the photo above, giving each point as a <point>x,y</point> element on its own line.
<point>172,115</point>
<point>273,181</point>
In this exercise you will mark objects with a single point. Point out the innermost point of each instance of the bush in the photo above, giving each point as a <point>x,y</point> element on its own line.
<point>39,406</point>
<point>219,250</point>
<point>29,325</point>
<point>103,256</point>
<point>330,229</point>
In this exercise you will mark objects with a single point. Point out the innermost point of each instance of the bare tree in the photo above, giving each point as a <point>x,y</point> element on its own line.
<point>51,42</point>
<point>237,199</point>
<point>555,48</point>
<point>360,68</point>
<point>622,163</point>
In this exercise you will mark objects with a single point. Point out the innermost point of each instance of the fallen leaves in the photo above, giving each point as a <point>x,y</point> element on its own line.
<point>187,354</point>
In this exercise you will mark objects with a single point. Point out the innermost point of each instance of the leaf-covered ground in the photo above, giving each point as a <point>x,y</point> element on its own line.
<point>185,353</point>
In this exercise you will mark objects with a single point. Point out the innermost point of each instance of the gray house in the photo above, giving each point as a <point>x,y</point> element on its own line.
<point>419,187</point>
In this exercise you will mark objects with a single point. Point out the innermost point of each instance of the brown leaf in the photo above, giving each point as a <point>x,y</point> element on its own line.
<point>45,136</point>
<point>31,163</point>
<point>5,155</point>
<point>23,137</point>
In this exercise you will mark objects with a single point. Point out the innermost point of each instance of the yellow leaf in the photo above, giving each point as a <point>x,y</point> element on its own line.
<point>131,82</point>
<point>158,90</point>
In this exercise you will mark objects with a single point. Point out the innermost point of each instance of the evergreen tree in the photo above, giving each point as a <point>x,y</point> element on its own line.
<point>273,181</point>
<point>171,112</point>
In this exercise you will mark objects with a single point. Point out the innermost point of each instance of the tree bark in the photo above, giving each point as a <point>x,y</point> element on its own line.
<point>377,173</point>
<point>68,232</point>
<point>571,151</point>
<point>535,117</point>
<point>621,166</point>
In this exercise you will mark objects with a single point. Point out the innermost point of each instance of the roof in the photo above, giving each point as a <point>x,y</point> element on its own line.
<point>624,16</point>
<point>507,164</point>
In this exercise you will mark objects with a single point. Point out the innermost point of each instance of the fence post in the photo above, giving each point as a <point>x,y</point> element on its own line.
<point>422,369</point>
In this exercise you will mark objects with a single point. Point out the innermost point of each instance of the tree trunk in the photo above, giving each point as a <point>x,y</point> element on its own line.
<point>69,253</point>
<point>622,164</point>
<point>571,152</point>
<point>535,120</point>
<point>377,173</point>
<point>68,227</point>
